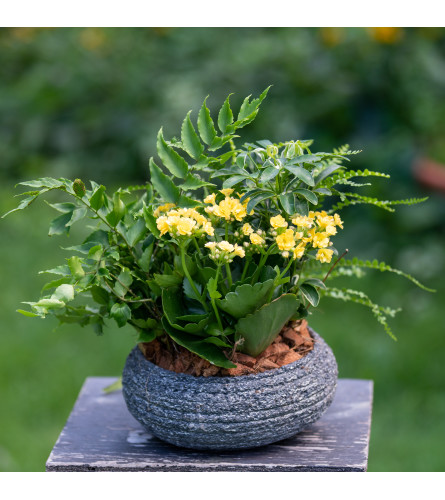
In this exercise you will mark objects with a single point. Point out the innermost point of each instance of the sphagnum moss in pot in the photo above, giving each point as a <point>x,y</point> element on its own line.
<point>216,263</point>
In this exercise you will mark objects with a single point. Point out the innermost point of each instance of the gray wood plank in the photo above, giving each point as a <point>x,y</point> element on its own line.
<point>100,435</point>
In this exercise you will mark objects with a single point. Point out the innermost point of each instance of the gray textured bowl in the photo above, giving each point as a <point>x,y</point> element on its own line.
<point>228,413</point>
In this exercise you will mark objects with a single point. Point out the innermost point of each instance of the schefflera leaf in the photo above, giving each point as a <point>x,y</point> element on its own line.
<point>246,298</point>
<point>260,328</point>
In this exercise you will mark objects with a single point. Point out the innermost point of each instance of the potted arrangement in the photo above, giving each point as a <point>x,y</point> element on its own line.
<point>216,263</point>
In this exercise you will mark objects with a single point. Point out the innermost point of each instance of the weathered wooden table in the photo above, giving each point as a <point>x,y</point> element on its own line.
<point>100,435</point>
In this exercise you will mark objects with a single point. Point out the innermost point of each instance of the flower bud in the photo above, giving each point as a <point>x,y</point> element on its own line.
<point>79,188</point>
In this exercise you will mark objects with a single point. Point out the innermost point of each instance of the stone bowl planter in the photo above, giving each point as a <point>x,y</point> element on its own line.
<point>229,413</point>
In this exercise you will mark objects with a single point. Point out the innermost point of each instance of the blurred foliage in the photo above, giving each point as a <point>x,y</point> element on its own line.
<point>88,102</point>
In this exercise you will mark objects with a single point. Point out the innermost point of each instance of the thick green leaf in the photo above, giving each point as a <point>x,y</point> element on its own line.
<point>301,173</point>
<point>173,309</point>
<point>118,210</point>
<point>168,280</point>
<point>245,299</point>
<point>310,293</point>
<point>163,184</point>
<point>212,288</point>
<point>190,139</point>
<point>171,159</point>
<point>225,115</point>
<point>146,336</point>
<point>231,181</point>
<point>309,195</point>
<point>260,328</point>
<point>203,349</point>
<point>269,173</point>
<point>121,313</point>
<point>206,127</point>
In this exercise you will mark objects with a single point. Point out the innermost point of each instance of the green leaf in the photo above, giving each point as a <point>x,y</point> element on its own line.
<point>192,182</point>
<point>75,267</point>
<point>59,225</point>
<point>65,293</point>
<point>136,232</point>
<point>100,295</point>
<point>225,115</point>
<point>96,252</point>
<point>118,210</point>
<point>121,313</point>
<point>203,349</point>
<point>50,303</point>
<point>150,221</point>
<point>188,290</point>
<point>212,288</point>
<point>287,201</point>
<point>258,198</point>
<point>231,181</point>
<point>245,299</point>
<point>168,280</point>
<point>171,159</point>
<point>309,195</point>
<point>310,293</point>
<point>315,282</point>
<point>173,309</point>
<point>301,174</point>
<point>163,184</point>
<point>115,386</point>
<point>29,314</point>
<point>269,173</point>
<point>260,328</point>
<point>146,337</point>
<point>123,282</point>
<point>97,198</point>
<point>145,261</point>
<point>190,139</point>
<point>248,108</point>
<point>206,127</point>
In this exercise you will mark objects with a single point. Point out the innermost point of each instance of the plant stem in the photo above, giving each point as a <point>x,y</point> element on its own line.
<point>192,284</point>
<point>335,263</point>
<point>213,301</point>
<point>229,274</point>
<point>246,266</point>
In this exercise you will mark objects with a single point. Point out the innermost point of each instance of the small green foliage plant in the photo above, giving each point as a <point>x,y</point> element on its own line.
<point>222,247</point>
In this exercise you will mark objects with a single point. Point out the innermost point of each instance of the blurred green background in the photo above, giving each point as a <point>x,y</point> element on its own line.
<point>89,102</point>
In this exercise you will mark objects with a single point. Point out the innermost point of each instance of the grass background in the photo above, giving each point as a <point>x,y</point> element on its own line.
<point>42,369</point>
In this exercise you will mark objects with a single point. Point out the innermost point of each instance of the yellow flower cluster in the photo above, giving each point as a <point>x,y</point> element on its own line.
<point>183,222</point>
<point>229,209</point>
<point>314,229</point>
<point>224,251</point>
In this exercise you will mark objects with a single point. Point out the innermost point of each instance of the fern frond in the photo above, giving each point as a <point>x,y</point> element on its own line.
<point>360,199</point>
<point>349,174</point>
<point>380,313</point>
<point>381,266</point>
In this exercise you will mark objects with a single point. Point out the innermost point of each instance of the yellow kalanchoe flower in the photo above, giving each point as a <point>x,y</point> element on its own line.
<point>299,250</point>
<point>303,221</point>
<point>286,241</point>
<point>338,222</point>
<point>210,199</point>
<point>185,226</point>
<point>247,229</point>
<point>256,239</point>
<point>227,191</point>
<point>324,255</point>
<point>163,208</point>
<point>278,221</point>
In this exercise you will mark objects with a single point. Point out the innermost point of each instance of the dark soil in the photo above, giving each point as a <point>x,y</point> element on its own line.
<point>293,342</point>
